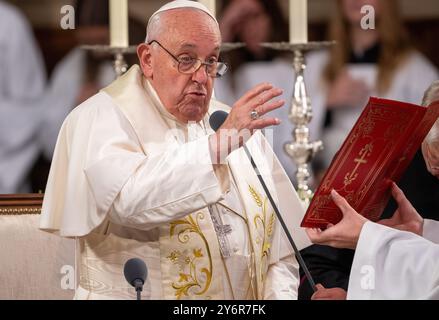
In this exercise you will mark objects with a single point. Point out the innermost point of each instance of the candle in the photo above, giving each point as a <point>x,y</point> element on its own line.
<point>298,21</point>
<point>119,23</point>
<point>210,4</point>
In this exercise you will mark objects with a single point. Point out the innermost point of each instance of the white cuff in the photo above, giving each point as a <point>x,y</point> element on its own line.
<point>431,230</point>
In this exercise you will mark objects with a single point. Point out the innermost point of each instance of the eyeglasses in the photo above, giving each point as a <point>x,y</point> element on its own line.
<point>189,65</point>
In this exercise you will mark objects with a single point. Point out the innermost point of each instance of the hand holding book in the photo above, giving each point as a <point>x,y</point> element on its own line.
<point>376,152</point>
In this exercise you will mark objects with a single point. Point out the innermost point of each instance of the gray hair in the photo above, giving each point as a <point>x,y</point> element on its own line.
<point>153,27</point>
<point>430,96</point>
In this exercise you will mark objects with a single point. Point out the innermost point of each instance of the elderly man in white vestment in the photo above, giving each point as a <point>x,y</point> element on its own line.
<point>395,258</point>
<point>138,172</point>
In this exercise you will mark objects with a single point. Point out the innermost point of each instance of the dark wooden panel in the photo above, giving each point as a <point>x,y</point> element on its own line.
<point>15,204</point>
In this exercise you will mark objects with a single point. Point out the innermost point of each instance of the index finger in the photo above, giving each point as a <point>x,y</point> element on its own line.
<point>397,194</point>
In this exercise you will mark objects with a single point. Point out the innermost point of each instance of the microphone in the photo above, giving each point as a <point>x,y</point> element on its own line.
<point>135,272</point>
<point>216,120</point>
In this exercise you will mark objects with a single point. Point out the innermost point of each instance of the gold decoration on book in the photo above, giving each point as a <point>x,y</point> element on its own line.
<point>364,153</point>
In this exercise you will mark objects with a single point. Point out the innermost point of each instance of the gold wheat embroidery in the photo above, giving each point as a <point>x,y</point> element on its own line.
<point>189,276</point>
<point>264,226</point>
<point>255,196</point>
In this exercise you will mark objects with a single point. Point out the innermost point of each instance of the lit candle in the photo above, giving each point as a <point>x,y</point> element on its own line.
<point>119,23</point>
<point>298,21</point>
<point>210,4</point>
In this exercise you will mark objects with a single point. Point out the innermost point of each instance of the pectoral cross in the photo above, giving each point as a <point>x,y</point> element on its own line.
<point>222,230</point>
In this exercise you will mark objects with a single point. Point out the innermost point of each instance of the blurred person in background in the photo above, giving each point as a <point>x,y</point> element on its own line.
<point>81,73</point>
<point>78,76</point>
<point>22,84</point>
<point>253,22</point>
<point>365,62</point>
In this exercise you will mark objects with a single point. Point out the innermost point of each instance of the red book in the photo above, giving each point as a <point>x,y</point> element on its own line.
<point>376,152</point>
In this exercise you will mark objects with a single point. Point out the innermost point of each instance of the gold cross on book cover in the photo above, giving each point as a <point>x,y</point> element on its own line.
<point>376,152</point>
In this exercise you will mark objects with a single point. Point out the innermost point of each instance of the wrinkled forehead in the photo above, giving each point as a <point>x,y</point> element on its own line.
<point>185,25</point>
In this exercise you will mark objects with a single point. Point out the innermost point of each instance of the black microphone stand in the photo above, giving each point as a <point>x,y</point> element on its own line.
<point>216,120</point>
<point>138,284</point>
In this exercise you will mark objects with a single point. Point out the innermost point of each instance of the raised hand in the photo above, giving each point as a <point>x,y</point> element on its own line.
<point>245,117</point>
<point>259,99</point>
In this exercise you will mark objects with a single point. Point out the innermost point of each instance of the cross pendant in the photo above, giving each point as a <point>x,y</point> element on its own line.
<point>222,230</point>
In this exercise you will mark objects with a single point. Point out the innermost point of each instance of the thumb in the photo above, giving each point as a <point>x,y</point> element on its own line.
<point>340,202</point>
<point>404,205</point>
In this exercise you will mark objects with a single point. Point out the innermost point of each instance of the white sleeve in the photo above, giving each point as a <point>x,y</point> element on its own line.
<point>431,230</point>
<point>169,186</point>
<point>393,264</point>
<point>282,280</point>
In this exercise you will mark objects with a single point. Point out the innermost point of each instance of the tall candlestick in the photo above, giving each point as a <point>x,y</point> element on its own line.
<point>298,21</point>
<point>210,4</point>
<point>119,23</point>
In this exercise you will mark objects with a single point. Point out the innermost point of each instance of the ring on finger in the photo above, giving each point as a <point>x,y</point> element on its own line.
<point>254,115</point>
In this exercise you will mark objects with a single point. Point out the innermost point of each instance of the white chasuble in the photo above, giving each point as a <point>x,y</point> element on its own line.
<point>128,180</point>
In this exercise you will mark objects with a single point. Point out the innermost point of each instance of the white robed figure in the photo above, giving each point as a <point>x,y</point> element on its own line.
<point>22,85</point>
<point>138,172</point>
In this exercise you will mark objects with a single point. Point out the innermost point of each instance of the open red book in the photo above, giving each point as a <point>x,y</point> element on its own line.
<point>376,152</point>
